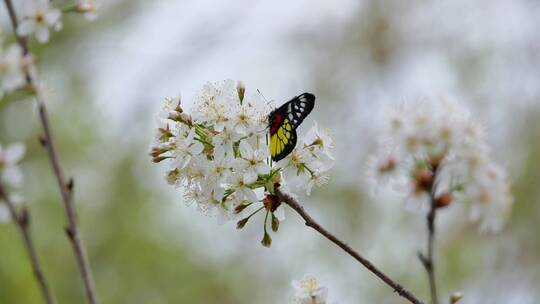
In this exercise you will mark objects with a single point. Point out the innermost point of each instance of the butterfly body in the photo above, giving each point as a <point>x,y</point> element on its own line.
<point>283,122</point>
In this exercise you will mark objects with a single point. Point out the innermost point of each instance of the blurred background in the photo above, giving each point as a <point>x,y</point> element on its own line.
<point>108,79</point>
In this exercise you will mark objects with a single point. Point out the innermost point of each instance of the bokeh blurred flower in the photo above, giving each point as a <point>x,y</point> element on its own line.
<point>10,175</point>
<point>38,17</point>
<point>434,148</point>
<point>219,155</point>
<point>12,68</point>
<point>10,156</point>
<point>309,291</point>
<point>88,8</point>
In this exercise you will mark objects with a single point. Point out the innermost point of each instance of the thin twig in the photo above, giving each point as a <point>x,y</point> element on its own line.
<point>66,188</point>
<point>429,260</point>
<point>22,221</point>
<point>310,222</point>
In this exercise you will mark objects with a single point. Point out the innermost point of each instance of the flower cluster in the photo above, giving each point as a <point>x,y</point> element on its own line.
<point>309,291</point>
<point>219,155</point>
<point>10,174</point>
<point>435,152</point>
<point>37,18</point>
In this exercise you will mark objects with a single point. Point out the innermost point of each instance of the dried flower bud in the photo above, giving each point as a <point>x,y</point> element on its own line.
<point>271,202</point>
<point>436,160</point>
<point>172,176</point>
<point>423,179</point>
<point>443,200</point>
<point>158,159</point>
<point>388,166</point>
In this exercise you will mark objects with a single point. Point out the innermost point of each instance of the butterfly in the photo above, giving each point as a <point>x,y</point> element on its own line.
<point>283,122</point>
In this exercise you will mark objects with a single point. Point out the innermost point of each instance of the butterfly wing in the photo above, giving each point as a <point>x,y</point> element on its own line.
<point>284,121</point>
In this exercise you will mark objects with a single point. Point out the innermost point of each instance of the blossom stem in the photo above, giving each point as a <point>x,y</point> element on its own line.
<point>22,220</point>
<point>65,187</point>
<point>254,212</point>
<point>310,222</point>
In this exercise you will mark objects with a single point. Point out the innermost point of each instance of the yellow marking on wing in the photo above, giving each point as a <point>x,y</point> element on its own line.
<point>287,125</point>
<point>280,133</point>
<point>273,145</point>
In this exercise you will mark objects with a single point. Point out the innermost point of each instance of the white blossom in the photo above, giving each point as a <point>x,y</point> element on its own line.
<point>307,164</point>
<point>5,215</point>
<point>435,147</point>
<point>12,68</point>
<point>10,156</point>
<point>88,8</point>
<point>38,17</point>
<point>185,147</point>
<point>309,291</point>
<point>10,176</point>
<point>252,162</point>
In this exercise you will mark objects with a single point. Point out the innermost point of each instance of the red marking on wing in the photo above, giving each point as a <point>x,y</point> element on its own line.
<point>275,124</point>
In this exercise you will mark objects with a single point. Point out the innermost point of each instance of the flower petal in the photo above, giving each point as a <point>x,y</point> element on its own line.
<point>26,27</point>
<point>42,34</point>
<point>14,153</point>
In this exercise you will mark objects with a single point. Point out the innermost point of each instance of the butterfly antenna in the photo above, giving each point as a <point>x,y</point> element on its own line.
<point>267,101</point>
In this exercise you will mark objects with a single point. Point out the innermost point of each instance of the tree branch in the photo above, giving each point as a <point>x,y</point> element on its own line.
<point>428,260</point>
<point>22,221</point>
<point>310,222</point>
<point>66,188</point>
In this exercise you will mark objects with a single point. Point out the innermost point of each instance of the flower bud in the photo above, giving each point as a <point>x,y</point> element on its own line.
<point>423,179</point>
<point>241,89</point>
<point>456,297</point>
<point>267,240</point>
<point>443,200</point>
<point>271,202</point>
<point>172,176</point>
<point>388,166</point>
<point>158,159</point>
<point>275,223</point>
<point>156,151</point>
<point>436,160</point>
<point>85,7</point>
<point>241,223</point>
<point>241,208</point>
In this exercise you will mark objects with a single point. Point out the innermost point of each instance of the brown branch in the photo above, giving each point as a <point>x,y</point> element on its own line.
<point>428,260</point>
<point>310,222</point>
<point>22,221</point>
<point>66,188</point>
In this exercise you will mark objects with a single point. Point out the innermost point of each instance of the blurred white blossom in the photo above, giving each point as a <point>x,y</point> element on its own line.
<point>10,156</point>
<point>309,291</point>
<point>12,68</point>
<point>219,154</point>
<point>88,8</point>
<point>435,147</point>
<point>10,175</point>
<point>37,18</point>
